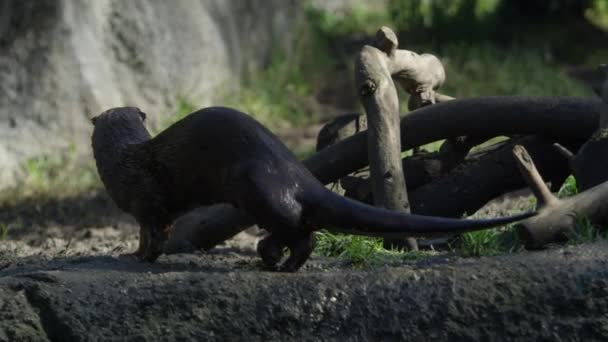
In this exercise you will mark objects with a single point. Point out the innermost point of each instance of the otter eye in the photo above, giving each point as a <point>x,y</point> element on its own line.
<point>94,120</point>
<point>142,115</point>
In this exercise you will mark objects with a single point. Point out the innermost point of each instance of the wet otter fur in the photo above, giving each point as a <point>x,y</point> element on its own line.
<point>219,155</point>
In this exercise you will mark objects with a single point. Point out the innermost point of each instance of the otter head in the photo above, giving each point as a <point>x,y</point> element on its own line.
<point>118,127</point>
<point>120,116</point>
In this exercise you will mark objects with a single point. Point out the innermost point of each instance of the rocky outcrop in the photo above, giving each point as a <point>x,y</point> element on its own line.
<point>556,295</point>
<point>63,61</point>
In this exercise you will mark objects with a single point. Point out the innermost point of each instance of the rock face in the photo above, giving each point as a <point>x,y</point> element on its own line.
<point>63,61</point>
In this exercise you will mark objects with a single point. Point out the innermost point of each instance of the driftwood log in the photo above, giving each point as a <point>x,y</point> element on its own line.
<point>561,119</point>
<point>556,217</point>
<point>374,75</point>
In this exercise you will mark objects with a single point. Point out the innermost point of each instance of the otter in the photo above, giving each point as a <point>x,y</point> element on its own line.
<point>221,155</point>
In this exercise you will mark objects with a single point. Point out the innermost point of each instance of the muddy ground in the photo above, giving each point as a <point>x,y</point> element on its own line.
<point>61,279</point>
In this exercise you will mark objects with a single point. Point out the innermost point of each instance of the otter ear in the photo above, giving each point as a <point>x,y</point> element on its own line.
<point>142,115</point>
<point>94,120</point>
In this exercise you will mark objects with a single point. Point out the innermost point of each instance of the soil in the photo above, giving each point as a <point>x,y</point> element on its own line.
<point>62,279</point>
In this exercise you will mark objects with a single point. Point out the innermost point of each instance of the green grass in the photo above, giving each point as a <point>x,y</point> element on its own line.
<point>569,188</point>
<point>585,231</point>
<point>4,229</point>
<point>359,250</point>
<point>277,97</point>
<point>487,242</point>
<point>477,70</point>
<point>56,175</point>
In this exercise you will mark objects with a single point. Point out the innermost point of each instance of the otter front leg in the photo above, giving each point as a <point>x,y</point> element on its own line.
<point>300,250</point>
<point>271,250</point>
<point>157,235</point>
<point>143,244</point>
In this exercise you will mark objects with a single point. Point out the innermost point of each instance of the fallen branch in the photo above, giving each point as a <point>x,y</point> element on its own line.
<point>557,217</point>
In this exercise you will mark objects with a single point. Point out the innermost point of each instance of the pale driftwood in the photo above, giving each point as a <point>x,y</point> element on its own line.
<point>556,217</point>
<point>374,72</point>
<point>420,75</point>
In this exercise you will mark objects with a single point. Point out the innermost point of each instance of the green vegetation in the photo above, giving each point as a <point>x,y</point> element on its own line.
<point>184,107</point>
<point>277,96</point>
<point>358,250</point>
<point>569,188</point>
<point>4,229</point>
<point>483,69</point>
<point>487,242</point>
<point>585,231</point>
<point>565,29</point>
<point>53,176</point>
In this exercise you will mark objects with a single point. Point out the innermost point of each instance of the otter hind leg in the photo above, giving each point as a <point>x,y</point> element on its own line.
<point>158,234</point>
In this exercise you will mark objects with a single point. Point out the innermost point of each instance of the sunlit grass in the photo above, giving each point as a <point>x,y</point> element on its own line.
<point>57,175</point>
<point>359,250</point>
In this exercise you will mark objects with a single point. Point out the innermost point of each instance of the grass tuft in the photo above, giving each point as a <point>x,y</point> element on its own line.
<point>4,229</point>
<point>488,242</point>
<point>569,188</point>
<point>360,251</point>
<point>585,231</point>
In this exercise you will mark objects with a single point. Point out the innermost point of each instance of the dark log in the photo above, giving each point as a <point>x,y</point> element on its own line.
<point>419,169</point>
<point>483,176</point>
<point>562,119</point>
<point>590,165</point>
<point>340,128</point>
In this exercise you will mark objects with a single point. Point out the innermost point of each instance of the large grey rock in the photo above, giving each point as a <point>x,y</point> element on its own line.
<point>62,62</point>
<point>554,295</point>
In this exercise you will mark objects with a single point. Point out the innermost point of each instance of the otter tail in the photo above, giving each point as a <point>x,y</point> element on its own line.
<point>338,213</point>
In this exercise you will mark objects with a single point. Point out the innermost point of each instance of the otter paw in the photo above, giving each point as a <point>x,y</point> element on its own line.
<point>271,252</point>
<point>137,255</point>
